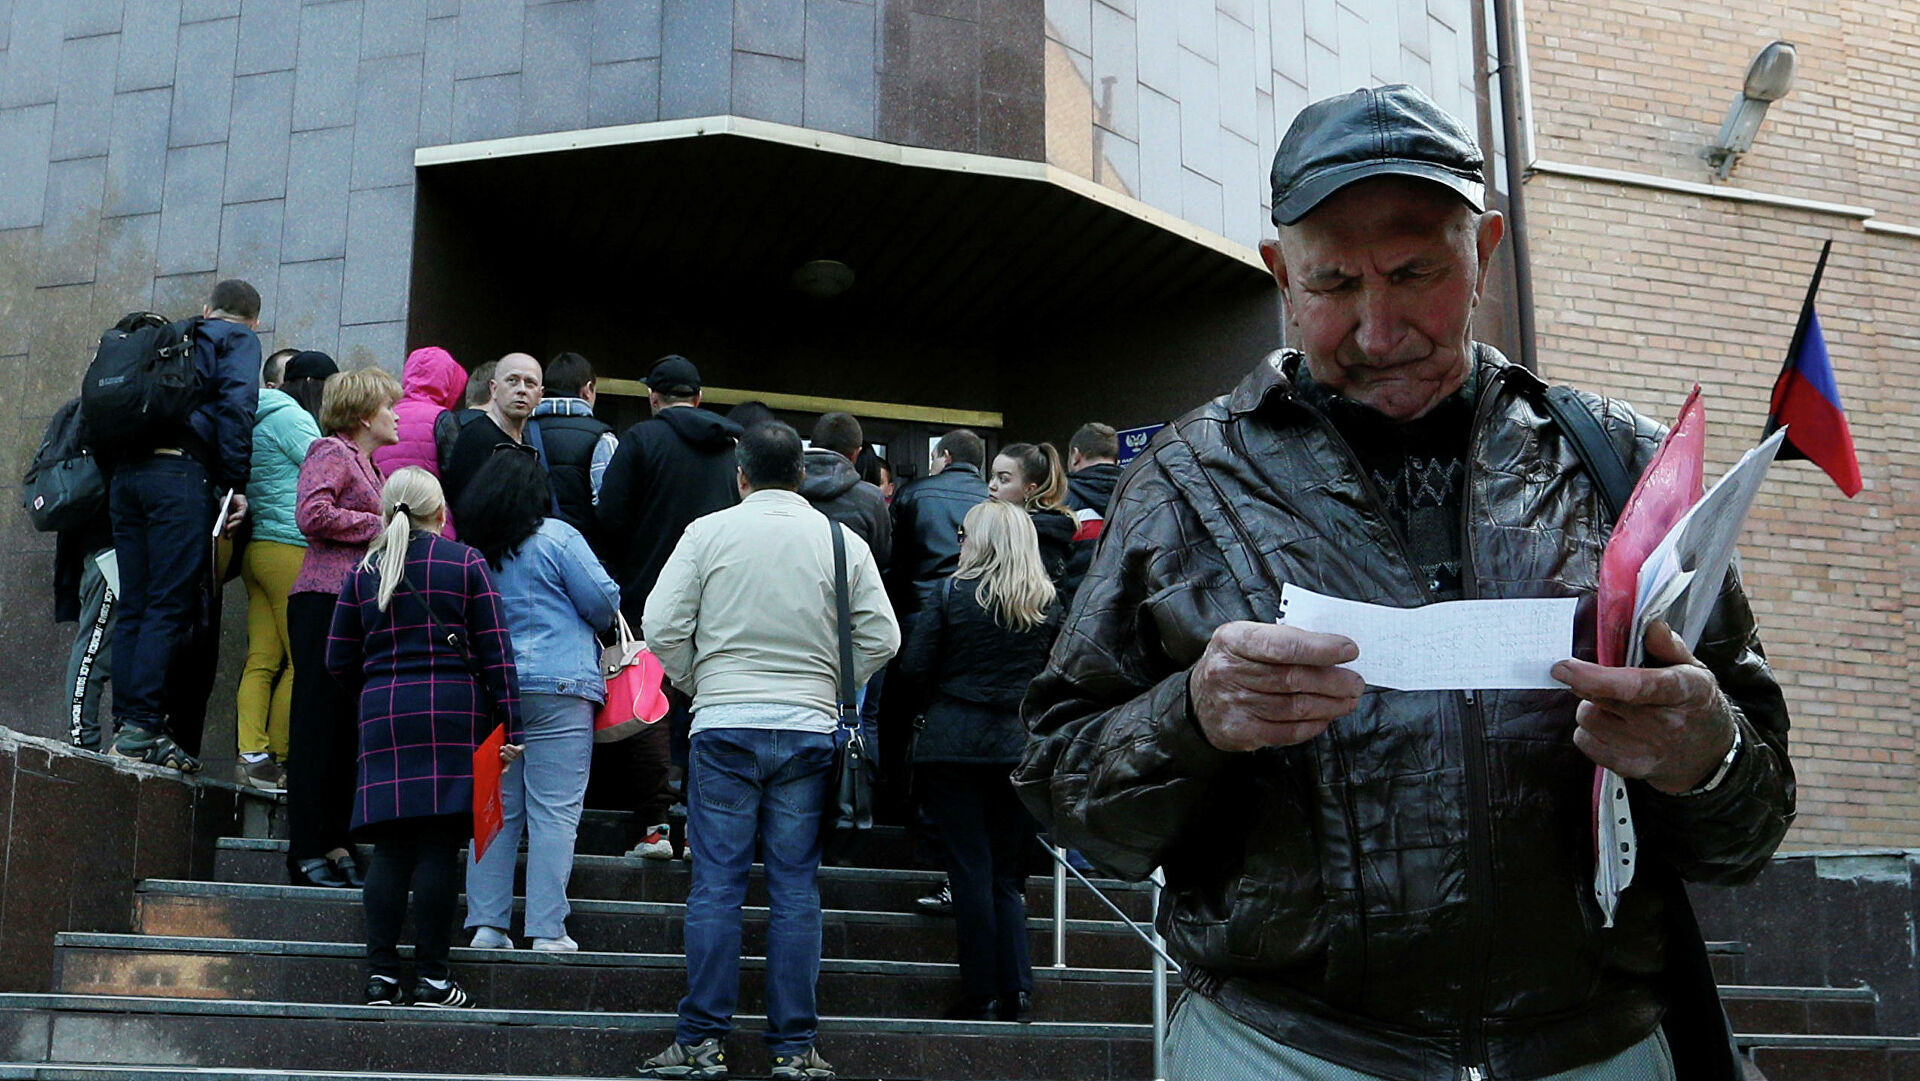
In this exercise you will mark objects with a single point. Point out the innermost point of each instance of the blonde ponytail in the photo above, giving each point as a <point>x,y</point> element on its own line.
<point>411,500</point>
<point>1040,465</point>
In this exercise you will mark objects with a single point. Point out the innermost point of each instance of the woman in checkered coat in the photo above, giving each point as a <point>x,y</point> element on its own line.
<point>420,632</point>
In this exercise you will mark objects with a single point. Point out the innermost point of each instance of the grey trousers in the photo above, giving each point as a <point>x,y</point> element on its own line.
<point>1206,1043</point>
<point>88,662</point>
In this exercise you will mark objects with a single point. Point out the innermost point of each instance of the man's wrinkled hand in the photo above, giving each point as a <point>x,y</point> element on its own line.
<point>1270,685</point>
<point>1668,726</point>
<point>236,513</point>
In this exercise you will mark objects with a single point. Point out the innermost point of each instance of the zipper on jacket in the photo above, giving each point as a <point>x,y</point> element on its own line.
<point>1473,990</point>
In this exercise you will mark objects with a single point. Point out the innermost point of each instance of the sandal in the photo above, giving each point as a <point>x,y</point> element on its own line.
<point>153,747</point>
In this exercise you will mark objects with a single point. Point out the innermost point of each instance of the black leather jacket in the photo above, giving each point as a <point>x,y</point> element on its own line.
<point>926,532</point>
<point>1411,892</point>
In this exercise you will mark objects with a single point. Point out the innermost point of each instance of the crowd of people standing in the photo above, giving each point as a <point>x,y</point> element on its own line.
<point>429,558</point>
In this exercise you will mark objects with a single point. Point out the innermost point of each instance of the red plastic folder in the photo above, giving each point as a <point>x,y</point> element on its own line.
<point>488,817</point>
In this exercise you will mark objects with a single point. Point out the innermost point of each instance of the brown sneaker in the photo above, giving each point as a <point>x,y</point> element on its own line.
<point>265,775</point>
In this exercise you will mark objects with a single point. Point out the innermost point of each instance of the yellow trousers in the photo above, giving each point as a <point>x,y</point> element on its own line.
<point>266,683</point>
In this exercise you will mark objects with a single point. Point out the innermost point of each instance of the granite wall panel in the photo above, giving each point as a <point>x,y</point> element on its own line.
<point>841,74</point>
<point>624,92</point>
<point>393,28</point>
<point>269,37</point>
<point>155,24</point>
<point>319,167</point>
<point>768,88</point>
<point>90,18</point>
<point>491,33</point>
<point>379,227</point>
<point>771,27</point>
<point>626,30</point>
<point>556,89</point>
<point>258,141</point>
<point>323,86</point>
<point>32,72</point>
<point>387,121</point>
<point>190,212</point>
<point>75,190</point>
<point>486,108</point>
<point>83,121</point>
<point>26,146</point>
<point>696,69</point>
<point>203,83</point>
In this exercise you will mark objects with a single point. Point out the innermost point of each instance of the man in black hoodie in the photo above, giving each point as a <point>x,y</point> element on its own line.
<point>675,466</point>
<point>835,489</point>
<point>1093,468</point>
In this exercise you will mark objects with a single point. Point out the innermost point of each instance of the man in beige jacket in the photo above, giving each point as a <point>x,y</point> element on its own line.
<point>744,617</point>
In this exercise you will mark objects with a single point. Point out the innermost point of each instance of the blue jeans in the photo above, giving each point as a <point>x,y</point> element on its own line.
<point>745,784</point>
<point>540,796</point>
<point>163,508</point>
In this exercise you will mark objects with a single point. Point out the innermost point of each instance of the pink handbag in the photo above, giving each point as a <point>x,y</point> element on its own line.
<point>636,695</point>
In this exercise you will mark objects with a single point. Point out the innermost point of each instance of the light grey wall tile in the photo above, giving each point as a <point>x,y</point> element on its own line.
<point>1287,39</point>
<point>269,37</point>
<point>1159,150</point>
<point>323,91</point>
<point>319,167</point>
<point>393,28</point>
<point>696,63</point>
<point>155,24</point>
<point>1198,32</point>
<point>190,209</point>
<point>490,37</point>
<point>1200,200</point>
<point>1070,22</point>
<point>1199,114</point>
<point>31,73</point>
<point>250,249</point>
<point>1119,154</point>
<point>257,143</point>
<point>72,220</point>
<point>182,294</point>
<point>26,137</point>
<point>625,92</point>
<point>382,345</point>
<point>86,18</point>
<point>1413,27</point>
<point>194,11</point>
<point>1116,72</point>
<point>436,85</point>
<point>379,250</point>
<point>137,156</point>
<point>1124,7</point>
<point>768,88</point>
<point>1321,21</point>
<point>386,121</point>
<point>1159,38</point>
<point>1241,182</point>
<point>625,30</point>
<point>487,108</point>
<point>770,27</point>
<point>1289,98</point>
<point>1413,69</point>
<point>309,305</point>
<point>556,85</point>
<point>1383,46</point>
<point>1323,72</point>
<point>1356,59</point>
<point>203,83</point>
<point>1237,84</point>
<point>123,268</point>
<point>842,88</point>
<point>83,119</point>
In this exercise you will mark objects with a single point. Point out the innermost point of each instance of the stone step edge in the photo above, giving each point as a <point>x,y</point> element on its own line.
<point>257,947</point>
<point>177,887</point>
<point>561,1019</point>
<point>33,1071</point>
<point>1788,1041</point>
<point>856,874</point>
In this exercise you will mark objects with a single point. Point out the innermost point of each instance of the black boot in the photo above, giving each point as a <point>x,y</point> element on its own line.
<point>1017,1006</point>
<point>317,872</point>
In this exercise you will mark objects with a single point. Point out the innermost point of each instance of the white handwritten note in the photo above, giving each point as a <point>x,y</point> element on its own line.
<point>1453,645</point>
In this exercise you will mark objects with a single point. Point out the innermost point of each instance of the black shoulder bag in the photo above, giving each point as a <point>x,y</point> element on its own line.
<point>1696,1024</point>
<point>847,819</point>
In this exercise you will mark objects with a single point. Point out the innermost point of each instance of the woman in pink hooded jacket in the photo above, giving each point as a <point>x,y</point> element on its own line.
<point>433,384</point>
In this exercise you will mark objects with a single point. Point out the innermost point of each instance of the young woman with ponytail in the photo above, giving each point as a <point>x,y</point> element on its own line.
<point>983,636</point>
<point>1033,477</point>
<point>420,633</point>
<point>337,509</point>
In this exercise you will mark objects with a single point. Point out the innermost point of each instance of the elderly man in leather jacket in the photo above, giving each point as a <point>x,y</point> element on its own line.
<point>1368,883</point>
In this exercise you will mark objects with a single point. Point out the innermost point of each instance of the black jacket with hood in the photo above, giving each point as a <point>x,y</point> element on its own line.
<point>669,470</point>
<point>836,490</point>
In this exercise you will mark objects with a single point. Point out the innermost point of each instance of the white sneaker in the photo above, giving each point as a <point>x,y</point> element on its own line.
<point>563,944</point>
<point>656,845</point>
<point>491,938</point>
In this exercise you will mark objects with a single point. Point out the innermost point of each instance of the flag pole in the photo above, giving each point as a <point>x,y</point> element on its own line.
<point>1799,330</point>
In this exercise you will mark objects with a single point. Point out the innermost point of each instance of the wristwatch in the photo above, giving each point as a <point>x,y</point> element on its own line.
<point>1726,767</point>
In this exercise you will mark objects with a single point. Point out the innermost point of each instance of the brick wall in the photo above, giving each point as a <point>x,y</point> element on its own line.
<point>1641,292</point>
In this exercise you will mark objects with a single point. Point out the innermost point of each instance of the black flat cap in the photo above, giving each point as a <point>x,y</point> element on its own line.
<point>1381,131</point>
<point>673,374</point>
<point>308,364</point>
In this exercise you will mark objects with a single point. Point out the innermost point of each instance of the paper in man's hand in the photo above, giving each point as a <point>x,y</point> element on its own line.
<point>1451,645</point>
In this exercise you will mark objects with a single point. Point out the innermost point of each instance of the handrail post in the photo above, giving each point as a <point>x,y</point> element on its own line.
<point>1059,907</point>
<point>1159,982</point>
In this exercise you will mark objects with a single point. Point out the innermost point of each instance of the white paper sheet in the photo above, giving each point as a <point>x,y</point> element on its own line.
<point>1452,645</point>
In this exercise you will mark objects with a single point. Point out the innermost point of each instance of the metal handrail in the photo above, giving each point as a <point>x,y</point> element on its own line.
<point>1162,961</point>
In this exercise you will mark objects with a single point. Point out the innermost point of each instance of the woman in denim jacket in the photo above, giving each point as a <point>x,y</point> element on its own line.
<point>556,595</point>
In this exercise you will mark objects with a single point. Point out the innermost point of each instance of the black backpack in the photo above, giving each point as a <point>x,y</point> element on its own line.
<point>63,488</point>
<point>141,387</point>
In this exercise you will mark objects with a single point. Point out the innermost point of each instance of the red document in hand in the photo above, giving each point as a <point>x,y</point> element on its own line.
<point>488,816</point>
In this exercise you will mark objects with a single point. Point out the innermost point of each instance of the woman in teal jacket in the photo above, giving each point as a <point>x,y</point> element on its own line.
<point>282,430</point>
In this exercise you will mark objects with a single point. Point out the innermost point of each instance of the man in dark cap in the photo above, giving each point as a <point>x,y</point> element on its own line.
<point>1372,883</point>
<point>668,470</point>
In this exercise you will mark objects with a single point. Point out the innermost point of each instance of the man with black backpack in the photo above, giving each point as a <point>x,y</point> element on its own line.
<point>169,409</point>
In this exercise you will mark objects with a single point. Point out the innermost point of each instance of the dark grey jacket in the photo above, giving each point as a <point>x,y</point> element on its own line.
<point>836,490</point>
<point>1412,890</point>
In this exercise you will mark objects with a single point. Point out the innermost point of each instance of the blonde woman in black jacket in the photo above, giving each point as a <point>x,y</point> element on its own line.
<point>984,634</point>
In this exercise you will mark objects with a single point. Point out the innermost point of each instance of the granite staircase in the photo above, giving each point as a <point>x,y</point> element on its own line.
<point>242,977</point>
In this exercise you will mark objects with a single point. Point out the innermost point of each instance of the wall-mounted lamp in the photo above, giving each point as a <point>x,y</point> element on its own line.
<point>823,279</point>
<point>1769,78</point>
